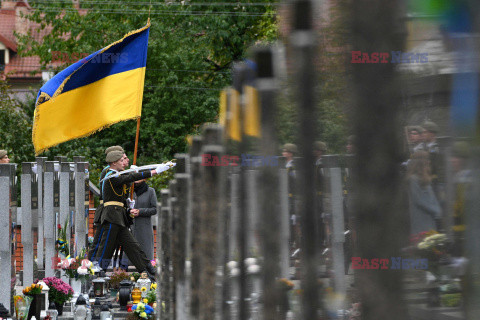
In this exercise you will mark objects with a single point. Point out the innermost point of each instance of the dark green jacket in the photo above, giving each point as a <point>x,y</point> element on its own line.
<point>117,189</point>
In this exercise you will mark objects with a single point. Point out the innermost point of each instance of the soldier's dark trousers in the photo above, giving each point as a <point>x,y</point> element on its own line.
<point>96,242</point>
<point>113,235</point>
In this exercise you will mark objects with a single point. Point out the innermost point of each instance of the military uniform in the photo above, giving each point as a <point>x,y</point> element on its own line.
<point>98,211</point>
<point>115,221</point>
<point>97,219</point>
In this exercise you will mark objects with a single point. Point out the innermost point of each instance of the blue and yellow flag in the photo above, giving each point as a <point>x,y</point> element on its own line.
<point>102,89</point>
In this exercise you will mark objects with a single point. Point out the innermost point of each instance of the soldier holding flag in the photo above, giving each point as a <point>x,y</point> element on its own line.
<point>115,215</point>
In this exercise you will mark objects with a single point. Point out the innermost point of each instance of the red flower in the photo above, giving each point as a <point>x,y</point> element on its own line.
<point>59,226</point>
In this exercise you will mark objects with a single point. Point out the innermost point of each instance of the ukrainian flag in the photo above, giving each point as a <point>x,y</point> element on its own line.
<point>102,89</point>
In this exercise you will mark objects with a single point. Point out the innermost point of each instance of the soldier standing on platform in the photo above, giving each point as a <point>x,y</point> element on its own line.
<point>115,215</point>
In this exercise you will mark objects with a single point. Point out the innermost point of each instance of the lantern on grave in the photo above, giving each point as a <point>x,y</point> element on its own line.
<point>99,287</point>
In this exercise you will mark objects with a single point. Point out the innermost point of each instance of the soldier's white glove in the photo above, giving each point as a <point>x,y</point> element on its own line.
<point>162,167</point>
<point>171,164</point>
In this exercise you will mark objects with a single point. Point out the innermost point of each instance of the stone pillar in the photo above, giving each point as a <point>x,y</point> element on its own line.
<point>27,236</point>
<point>71,204</point>
<point>209,226</point>
<point>165,254</point>
<point>81,206</point>
<point>40,242</point>
<point>334,178</point>
<point>180,244</point>
<point>284,219</point>
<point>269,188</point>
<point>194,245</point>
<point>5,250</point>
<point>49,226</point>
<point>174,258</point>
<point>13,221</point>
<point>64,188</point>
<point>253,211</point>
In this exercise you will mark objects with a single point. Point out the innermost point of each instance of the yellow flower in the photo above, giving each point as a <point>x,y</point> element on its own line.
<point>143,315</point>
<point>144,289</point>
<point>153,286</point>
<point>145,300</point>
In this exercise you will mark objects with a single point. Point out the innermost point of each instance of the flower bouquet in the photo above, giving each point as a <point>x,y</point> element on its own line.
<point>151,295</point>
<point>59,291</point>
<point>141,311</point>
<point>434,248</point>
<point>33,290</point>
<point>78,267</point>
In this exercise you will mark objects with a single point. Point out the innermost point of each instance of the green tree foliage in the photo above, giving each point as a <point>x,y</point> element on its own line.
<point>332,97</point>
<point>16,131</point>
<point>191,49</point>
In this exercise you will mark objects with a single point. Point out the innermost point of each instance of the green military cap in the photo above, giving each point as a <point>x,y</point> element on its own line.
<point>320,146</point>
<point>290,147</point>
<point>114,155</point>
<point>113,148</point>
<point>3,153</point>
<point>430,126</point>
<point>461,149</point>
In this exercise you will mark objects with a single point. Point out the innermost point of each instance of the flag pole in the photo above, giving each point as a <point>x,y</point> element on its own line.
<point>135,153</point>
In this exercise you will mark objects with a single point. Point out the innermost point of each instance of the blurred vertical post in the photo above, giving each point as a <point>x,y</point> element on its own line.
<point>304,45</point>
<point>331,163</point>
<point>269,195</point>
<point>165,254</point>
<point>377,27</point>
<point>209,227</point>
<point>173,197</point>
<point>195,259</point>
<point>472,242</point>
<point>472,221</point>
<point>239,75</point>
<point>180,244</point>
